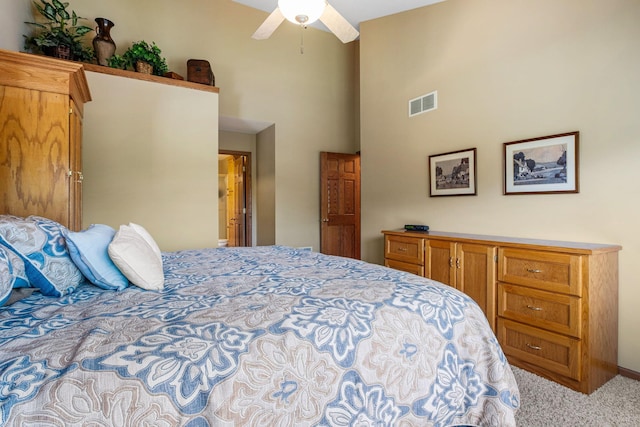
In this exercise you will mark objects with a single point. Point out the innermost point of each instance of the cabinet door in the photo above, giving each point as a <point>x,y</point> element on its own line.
<point>476,276</point>
<point>440,263</point>
<point>34,153</point>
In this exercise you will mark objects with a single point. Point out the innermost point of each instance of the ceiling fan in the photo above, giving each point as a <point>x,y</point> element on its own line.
<point>303,13</point>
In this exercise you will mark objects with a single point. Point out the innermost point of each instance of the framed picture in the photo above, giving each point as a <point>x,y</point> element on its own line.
<point>453,174</point>
<point>542,165</point>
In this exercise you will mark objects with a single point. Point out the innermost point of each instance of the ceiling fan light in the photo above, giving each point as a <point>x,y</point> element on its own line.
<point>302,12</point>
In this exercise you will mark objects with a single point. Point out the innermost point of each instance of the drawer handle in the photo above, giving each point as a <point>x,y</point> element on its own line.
<point>402,249</point>
<point>534,347</point>
<point>535,271</point>
<point>534,308</point>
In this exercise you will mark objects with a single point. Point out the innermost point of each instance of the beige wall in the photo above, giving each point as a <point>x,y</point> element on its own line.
<point>266,186</point>
<point>507,70</point>
<point>163,176</point>
<point>12,17</point>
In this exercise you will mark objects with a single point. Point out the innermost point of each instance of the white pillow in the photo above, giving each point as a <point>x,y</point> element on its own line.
<point>137,259</point>
<point>145,234</point>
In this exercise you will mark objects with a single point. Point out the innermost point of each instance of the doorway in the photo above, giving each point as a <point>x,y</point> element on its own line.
<point>234,198</point>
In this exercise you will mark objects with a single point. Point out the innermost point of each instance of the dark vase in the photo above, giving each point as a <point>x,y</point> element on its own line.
<point>103,44</point>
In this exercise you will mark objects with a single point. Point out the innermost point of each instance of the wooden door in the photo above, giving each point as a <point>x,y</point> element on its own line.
<point>440,261</point>
<point>340,204</point>
<point>476,276</point>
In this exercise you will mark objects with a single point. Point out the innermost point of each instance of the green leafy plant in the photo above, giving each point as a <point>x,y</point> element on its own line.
<point>117,61</point>
<point>58,28</point>
<point>145,52</point>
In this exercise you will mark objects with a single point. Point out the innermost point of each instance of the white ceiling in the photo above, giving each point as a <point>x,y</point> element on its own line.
<point>355,11</point>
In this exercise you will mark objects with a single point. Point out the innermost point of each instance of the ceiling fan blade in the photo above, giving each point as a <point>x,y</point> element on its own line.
<point>338,25</point>
<point>269,25</point>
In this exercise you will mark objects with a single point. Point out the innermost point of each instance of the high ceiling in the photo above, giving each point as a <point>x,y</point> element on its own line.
<point>355,11</point>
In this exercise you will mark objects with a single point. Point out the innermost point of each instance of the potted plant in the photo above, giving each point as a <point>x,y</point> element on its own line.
<point>58,34</point>
<point>139,54</point>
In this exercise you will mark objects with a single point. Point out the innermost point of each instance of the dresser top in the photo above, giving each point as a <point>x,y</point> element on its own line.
<point>573,247</point>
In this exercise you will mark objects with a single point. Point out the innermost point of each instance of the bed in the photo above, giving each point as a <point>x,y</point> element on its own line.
<point>263,336</point>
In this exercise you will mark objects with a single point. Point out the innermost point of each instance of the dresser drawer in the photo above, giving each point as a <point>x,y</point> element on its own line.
<point>555,312</point>
<point>551,271</point>
<point>405,266</point>
<point>406,249</point>
<point>553,352</point>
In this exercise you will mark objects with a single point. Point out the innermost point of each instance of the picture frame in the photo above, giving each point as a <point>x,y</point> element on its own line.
<point>453,173</point>
<point>544,165</point>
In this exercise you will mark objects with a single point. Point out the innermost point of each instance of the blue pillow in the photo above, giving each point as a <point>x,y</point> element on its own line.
<point>88,251</point>
<point>41,245</point>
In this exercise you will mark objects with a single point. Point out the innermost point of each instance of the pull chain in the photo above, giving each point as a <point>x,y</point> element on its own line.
<point>302,28</point>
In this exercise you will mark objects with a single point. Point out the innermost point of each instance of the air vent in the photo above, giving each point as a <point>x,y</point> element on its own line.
<point>423,103</point>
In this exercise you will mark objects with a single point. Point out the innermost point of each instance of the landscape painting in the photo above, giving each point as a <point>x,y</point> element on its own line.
<point>453,174</point>
<point>542,165</point>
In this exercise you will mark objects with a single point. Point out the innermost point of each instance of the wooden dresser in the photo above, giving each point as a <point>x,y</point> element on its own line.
<point>553,305</point>
<point>41,107</point>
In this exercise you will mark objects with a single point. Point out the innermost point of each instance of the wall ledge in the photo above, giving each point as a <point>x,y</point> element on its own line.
<point>149,77</point>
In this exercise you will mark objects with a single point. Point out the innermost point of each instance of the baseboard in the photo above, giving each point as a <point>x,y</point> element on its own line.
<point>629,373</point>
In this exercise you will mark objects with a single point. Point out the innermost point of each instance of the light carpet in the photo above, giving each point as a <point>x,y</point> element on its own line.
<point>545,403</point>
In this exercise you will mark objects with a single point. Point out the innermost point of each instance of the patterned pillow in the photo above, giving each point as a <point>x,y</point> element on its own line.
<point>88,249</point>
<point>41,245</point>
<point>6,276</point>
<point>20,279</point>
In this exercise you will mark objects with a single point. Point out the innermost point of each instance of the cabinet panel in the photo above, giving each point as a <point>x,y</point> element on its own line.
<point>476,276</point>
<point>35,158</point>
<point>440,261</point>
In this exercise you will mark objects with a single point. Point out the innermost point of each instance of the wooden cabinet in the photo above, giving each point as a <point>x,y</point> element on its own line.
<point>553,305</point>
<point>41,107</point>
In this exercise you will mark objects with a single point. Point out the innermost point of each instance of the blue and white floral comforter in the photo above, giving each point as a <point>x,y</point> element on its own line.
<point>268,336</point>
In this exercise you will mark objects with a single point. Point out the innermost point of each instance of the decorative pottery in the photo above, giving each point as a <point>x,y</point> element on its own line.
<point>103,44</point>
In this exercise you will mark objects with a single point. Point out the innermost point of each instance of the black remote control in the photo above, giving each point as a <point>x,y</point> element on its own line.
<point>414,227</point>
